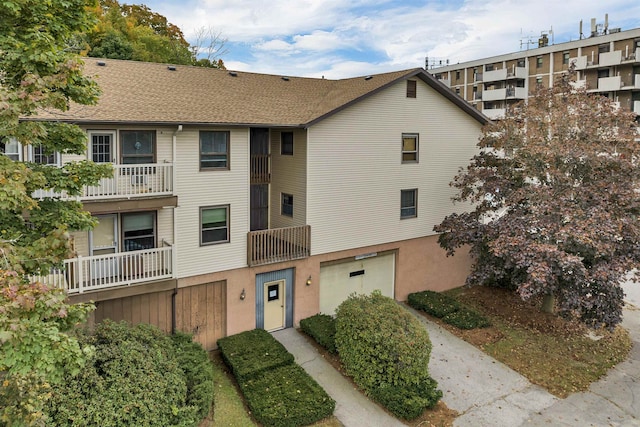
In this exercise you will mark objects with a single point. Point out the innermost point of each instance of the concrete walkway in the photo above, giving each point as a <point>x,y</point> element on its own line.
<point>487,393</point>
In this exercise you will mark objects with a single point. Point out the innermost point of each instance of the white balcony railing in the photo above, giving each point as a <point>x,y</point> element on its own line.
<point>636,107</point>
<point>127,181</point>
<point>495,75</point>
<point>580,62</point>
<point>91,273</point>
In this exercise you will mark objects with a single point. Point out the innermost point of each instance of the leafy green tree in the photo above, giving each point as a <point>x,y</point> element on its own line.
<point>556,206</point>
<point>38,74</point>
<point>37,346</point>
<point>135,32</point>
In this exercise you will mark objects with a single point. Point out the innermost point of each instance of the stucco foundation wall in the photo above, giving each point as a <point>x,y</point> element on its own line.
<point>420,264</point>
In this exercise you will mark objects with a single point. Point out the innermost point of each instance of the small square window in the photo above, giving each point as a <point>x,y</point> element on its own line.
<point>565,58</point>
<point>408,203</point>
<point>214,150</point>
<point>411,88</point>
<point>11,148</point>
<point>539,62</point>
<point>287,205</point>
<point>214,225</point>
<point>410,148</point>
<point>457,75</point>
<point>286,143</point>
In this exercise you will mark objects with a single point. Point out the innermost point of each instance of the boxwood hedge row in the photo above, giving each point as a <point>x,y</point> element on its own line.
<point>448,309</point>
<point>322,328</point>
<point>278,392</point>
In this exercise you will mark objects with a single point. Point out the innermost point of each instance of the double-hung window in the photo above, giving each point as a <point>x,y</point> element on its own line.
<point>139,231</point>
<point>11,148</point>
<point>409,148</point>
<point>214,150</point>
<point>138,147</point>
<point>409,203</point>
<point>214,225</point>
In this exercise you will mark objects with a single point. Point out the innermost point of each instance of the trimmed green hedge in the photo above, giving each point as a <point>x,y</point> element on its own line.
<point>286,397</point>
<point>386,350</point>
<point>251,353</point>
<point>133,378</point>
<point>278,392</point>
<point>198,371</point>
<point>322,328</point>
<point>448,309</point>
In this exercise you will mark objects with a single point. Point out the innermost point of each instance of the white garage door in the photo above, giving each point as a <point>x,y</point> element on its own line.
<point>338,281</point>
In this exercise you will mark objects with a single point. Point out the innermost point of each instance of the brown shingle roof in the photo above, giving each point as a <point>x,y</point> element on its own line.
<point>144,92</point>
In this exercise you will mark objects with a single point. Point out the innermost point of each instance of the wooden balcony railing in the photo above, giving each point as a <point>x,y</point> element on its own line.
<point>278,244</point>
<point>260,168</point>
<point>90,273</point>
<point>127,181</point>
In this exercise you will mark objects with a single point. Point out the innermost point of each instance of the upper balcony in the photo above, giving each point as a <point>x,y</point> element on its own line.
<point>504,74</point>
<point>636,107</point>
<point>99,272</point>
<point>606,59</point>
<point>278,245</point>
<point>126,182</point>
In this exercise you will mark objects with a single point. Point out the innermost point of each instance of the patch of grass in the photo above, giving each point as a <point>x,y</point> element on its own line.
<point>551,352</point>
<point>228,406</point>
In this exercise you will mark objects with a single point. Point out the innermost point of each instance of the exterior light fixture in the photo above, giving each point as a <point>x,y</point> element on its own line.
<point>309,281</point>
<point>243,294</point>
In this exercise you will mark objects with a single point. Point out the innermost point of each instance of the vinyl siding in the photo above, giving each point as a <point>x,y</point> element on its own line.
<point>288,175</point>
<point>197,189</point>
<point>355,172</point>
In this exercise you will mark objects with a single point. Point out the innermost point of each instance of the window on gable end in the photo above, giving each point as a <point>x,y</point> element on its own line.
<point>409,203</point>
<point>411,88</point>
<point>410,148</point>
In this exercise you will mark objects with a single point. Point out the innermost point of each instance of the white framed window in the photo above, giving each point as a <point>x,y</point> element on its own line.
<point>11,148</point>
<point>38,154</point>
<point>287,204</point>
<point>102,146</point>
<point>410,148</point>
<point>409,203</point>
<point>214,225</point>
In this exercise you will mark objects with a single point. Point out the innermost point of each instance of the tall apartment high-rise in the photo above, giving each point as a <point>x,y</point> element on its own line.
<point>607,61</point>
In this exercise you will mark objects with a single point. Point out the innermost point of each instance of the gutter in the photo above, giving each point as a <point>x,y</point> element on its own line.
<point>174,258</point>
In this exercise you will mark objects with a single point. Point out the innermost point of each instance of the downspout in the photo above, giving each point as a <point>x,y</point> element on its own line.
<point>174,254</point>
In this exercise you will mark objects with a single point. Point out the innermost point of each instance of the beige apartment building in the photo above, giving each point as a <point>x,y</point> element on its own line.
<point>607,61</point>
<point>242,200</point>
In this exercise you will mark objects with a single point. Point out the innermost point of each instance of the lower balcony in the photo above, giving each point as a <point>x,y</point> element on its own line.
<point>278,245</point>
<point>98,272</point>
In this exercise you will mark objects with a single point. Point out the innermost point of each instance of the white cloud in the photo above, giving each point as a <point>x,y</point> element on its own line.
<point>314,37</point>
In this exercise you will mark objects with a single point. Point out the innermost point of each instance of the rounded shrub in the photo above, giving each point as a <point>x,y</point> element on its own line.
<point>386,350</point>
<point>133,378</point>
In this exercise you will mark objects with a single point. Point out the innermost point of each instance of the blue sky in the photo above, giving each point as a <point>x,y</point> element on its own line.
<point>341,38</point>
